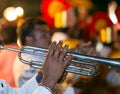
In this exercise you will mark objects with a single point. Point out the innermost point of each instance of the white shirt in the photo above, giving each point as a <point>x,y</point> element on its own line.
<point>69,90</point>
<point>42,90</point>
<point>30,87</point>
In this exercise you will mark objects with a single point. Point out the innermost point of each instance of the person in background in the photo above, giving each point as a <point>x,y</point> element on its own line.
<point>77,83</point>
<point>32,32</point>
<point>9,39</point>
<point>52,71</point>
<point>113,76</point>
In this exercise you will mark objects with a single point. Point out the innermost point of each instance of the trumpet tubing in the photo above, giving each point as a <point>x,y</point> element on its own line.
<point>78,64</point>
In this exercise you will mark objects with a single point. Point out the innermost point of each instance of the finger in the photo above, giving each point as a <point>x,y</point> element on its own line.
<point>63,52</point>
<point>51,48</point>
<point>67,60</point>
<point>58,48</point>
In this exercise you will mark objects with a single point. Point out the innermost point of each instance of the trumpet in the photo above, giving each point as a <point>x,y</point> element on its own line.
<point>80,64</point>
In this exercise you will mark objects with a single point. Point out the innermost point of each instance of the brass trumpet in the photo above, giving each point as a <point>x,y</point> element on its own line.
<point>79,64</point>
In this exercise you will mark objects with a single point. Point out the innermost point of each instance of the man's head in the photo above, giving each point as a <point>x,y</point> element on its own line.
<point>34,32</point>
<point>8,33</point>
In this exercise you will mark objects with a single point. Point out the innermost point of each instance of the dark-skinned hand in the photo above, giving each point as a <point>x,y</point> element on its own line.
<point>55,64</point>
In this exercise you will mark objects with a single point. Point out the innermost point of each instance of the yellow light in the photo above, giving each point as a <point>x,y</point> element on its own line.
<point>58,19</point>
<point>19,11</point>
<point>103,35</point>
<point>72,43</point>
<point>9,14</point>
<point>61,19</point>
<point>64,19</point>
<point>108,35</point>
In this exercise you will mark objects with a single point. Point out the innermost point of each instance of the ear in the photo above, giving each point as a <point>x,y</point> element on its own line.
<point>29,40</point>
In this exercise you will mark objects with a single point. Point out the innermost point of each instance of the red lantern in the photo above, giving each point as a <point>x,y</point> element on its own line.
<point>100,20</point>
<point>50,7</point>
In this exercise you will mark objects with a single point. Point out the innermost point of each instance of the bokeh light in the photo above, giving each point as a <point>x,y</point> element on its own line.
<point>9,14</point>
<point>19,11</point>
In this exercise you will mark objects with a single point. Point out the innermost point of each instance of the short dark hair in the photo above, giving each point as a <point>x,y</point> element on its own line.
<point>27,28</point>
<point>8,33</point>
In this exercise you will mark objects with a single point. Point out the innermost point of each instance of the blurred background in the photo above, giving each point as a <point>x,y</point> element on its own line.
<point>65,13</point>
<point>32,8</point>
